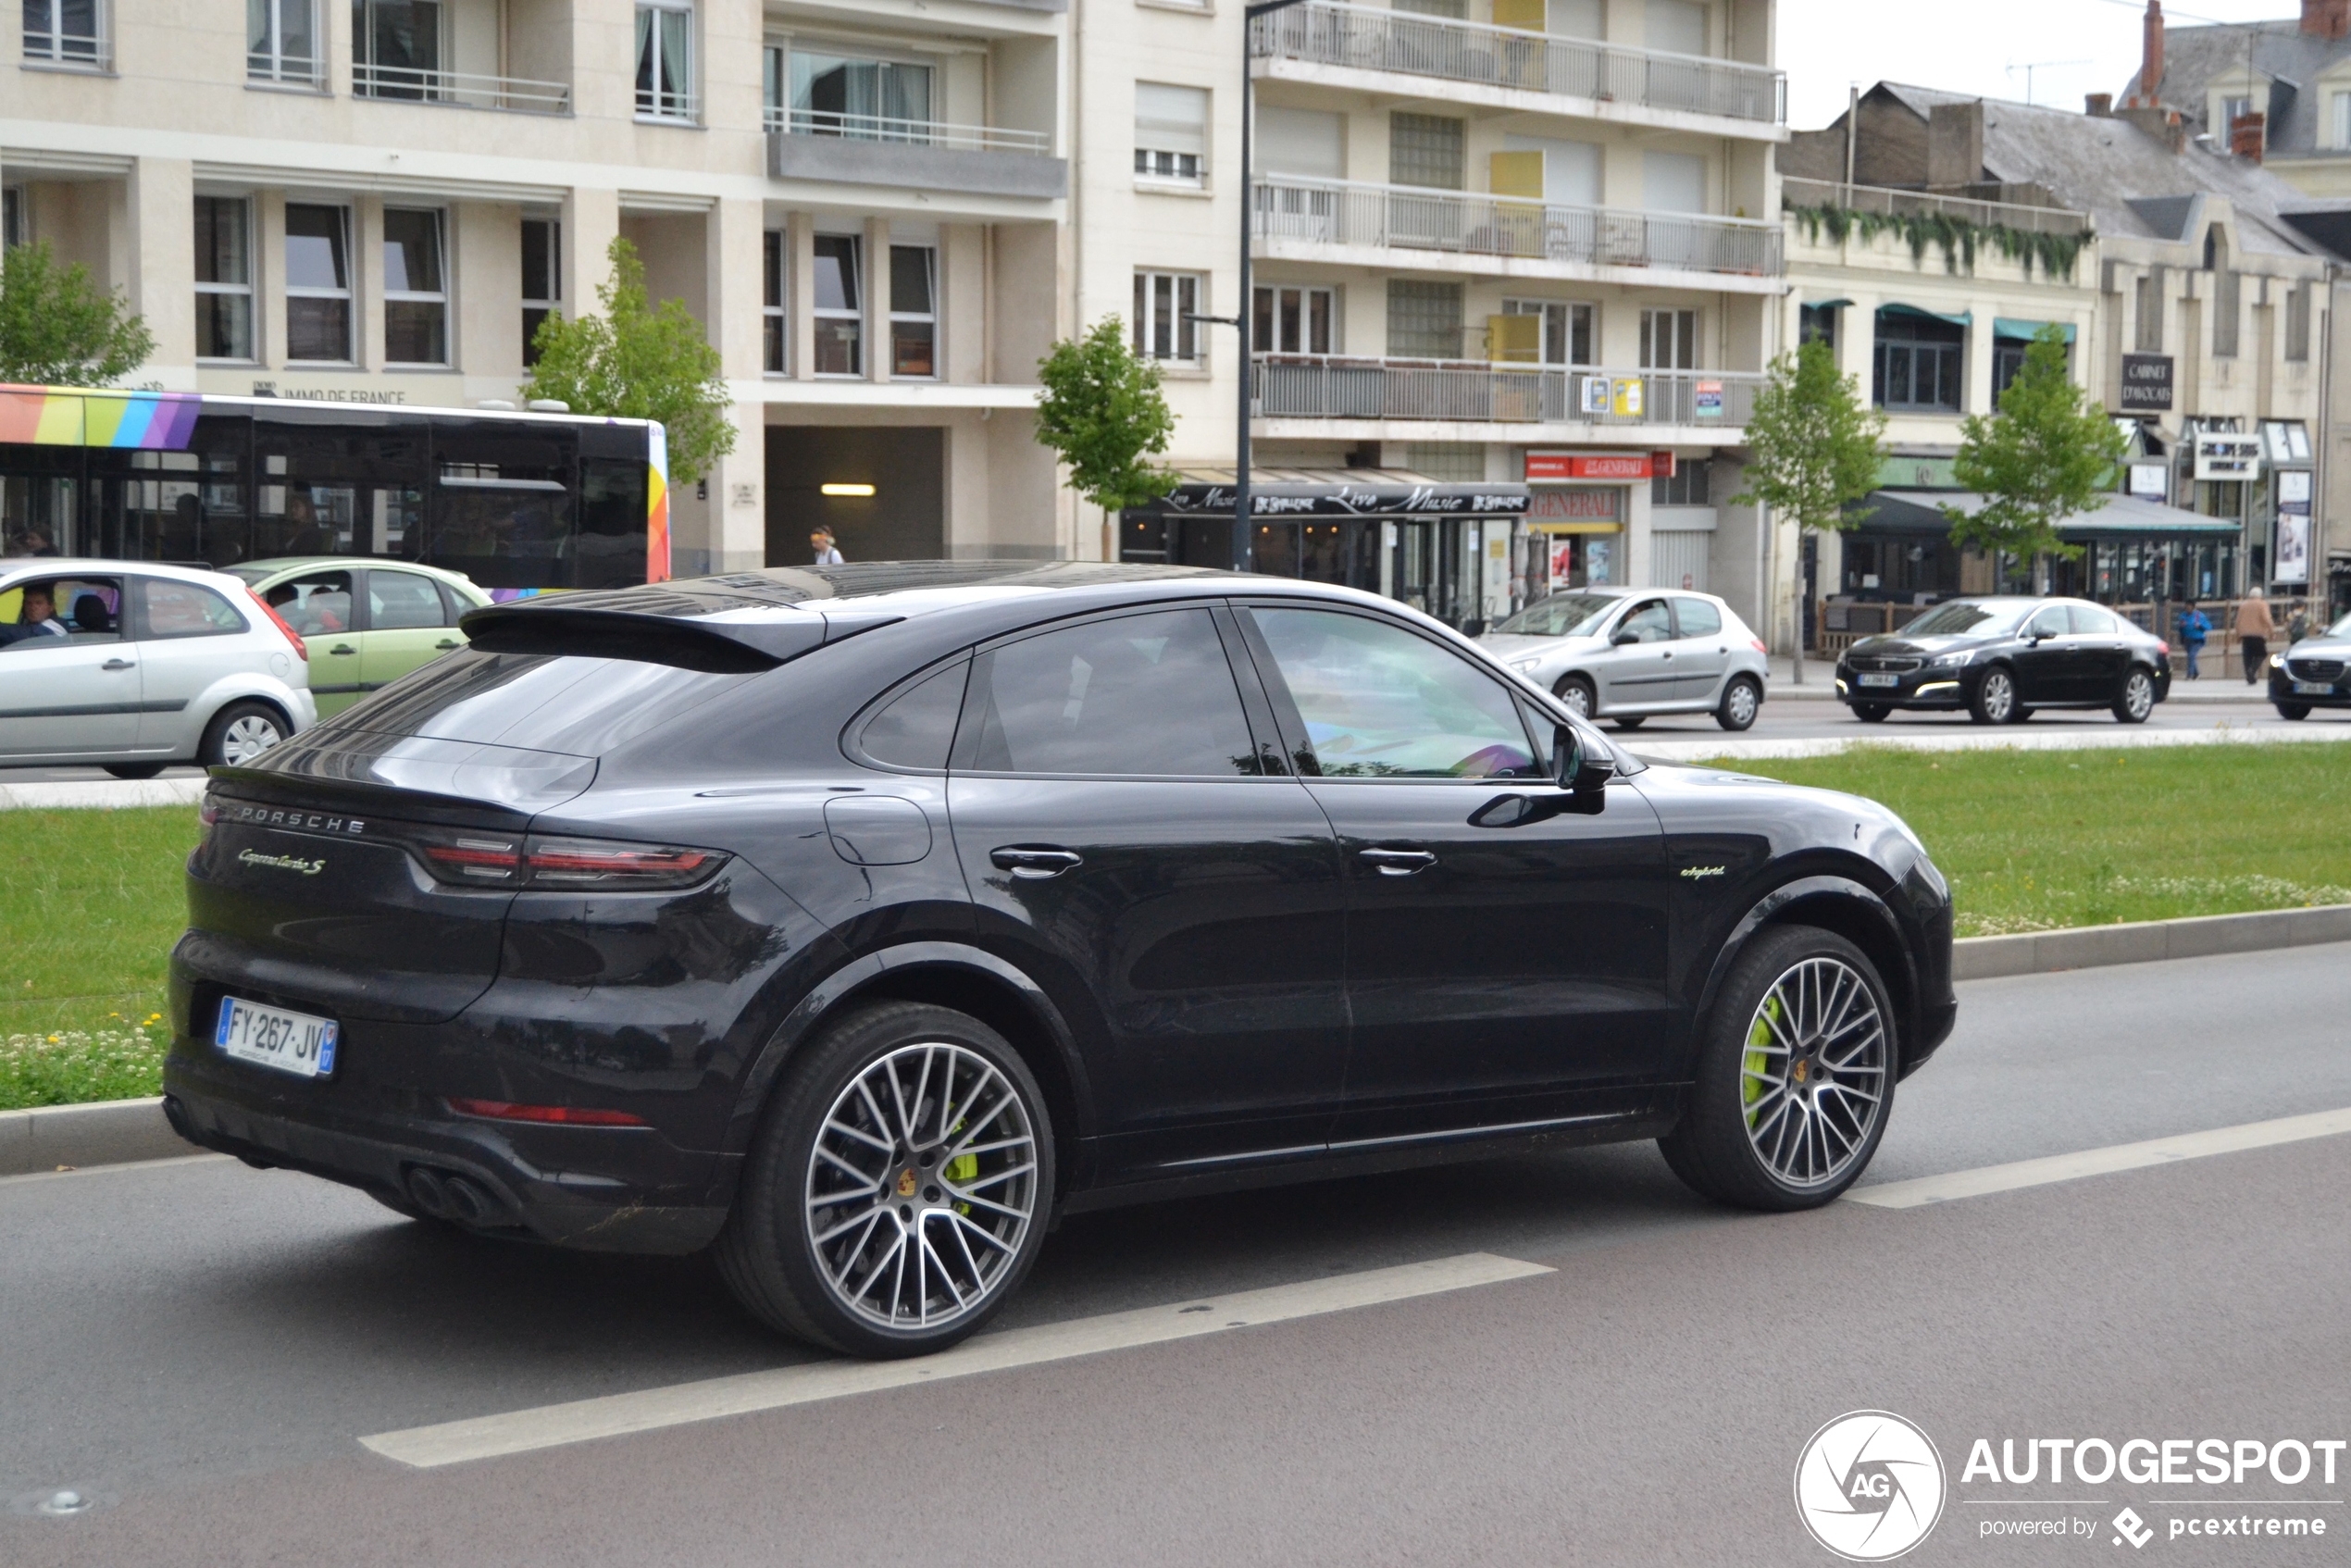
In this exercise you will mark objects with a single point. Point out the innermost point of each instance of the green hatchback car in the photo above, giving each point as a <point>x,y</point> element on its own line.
<point>366,622</point>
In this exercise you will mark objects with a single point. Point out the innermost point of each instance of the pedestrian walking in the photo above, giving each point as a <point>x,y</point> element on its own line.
<point>821,543</point>
<point>2298,627</point>
<point>2254,630</point>
<point>2194,627</point>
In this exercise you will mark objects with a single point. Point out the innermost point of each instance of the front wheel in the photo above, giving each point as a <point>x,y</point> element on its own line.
<point>1630,721</point>
<point>240,732</point>
<point>1576,692</point>
<point>1741,701</point>
<point>898,1189</point>
<point>134,769</point>
<point>1995,698</point>
<point>1796,1076</point>
<point>2137,700</point>
<point>1871,713</point>
<point>2296,711</point>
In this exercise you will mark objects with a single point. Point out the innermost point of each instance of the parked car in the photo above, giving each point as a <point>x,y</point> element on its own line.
<point>366,623</point>
<point>140,665</point>
<point>2313,673</point>
<point>2000,659</point>
<point>1624,653</point>
<point>862,919</point>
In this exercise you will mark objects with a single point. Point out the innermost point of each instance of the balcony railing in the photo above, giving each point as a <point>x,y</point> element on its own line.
<point>1337,212</point>
<point>1332,387</point>
<point>908,132</point>
<point>1881,199</point>
<point>417,85</point>
<point>1325,32</point>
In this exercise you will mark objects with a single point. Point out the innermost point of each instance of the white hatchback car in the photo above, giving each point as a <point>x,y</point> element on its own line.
<point>1624,653</point>
<point>133,665</point>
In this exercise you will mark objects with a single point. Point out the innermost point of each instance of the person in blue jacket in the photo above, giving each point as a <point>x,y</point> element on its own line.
<point>2194,627</point>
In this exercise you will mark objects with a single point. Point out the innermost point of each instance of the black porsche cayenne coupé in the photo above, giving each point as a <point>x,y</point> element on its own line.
<point>857,921</point>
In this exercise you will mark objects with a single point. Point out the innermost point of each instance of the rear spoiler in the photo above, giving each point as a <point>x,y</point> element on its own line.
<point>646,626</point>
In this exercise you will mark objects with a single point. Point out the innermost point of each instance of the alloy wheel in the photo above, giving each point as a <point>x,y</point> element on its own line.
<point>246,738</point>
<point>1812,1077</point>
<point>922,1185</point>
<point>1577,696</point>
<point>2138,695</point>
<point>2000,697</point>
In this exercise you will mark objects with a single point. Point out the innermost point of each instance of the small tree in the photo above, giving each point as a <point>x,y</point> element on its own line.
<point>2048,454</point>
<point>1816,448</point>
<point>57,330</point>
<point>1102,411</point>
<point>636,362</point>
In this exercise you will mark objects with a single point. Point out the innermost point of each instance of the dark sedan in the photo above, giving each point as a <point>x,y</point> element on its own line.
<point>2000,659</point>
<point>856,922</point>
<point>2313,673</point>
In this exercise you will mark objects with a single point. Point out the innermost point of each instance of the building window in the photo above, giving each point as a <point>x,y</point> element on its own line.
<point>863,98</point>
<point>1171,134</point>
<point>1290,319</point>
<point>318,282</point>
<point>11,218</point>
<point>2231,111</point>
<point>773,325</point>
<point>543,279</point>
<point>415,288</point>
<point>396,49</point>
<point>2008,361</point>
<point>1919,360</point>
<point>840,308</point>
<point>1453,10</point>
<point>65,32</point>
<point>1423,320</point>
<point>1165,306</point>
<point>1817,324</point>
<point>914,310</point>
<point>282,41</point>
<point>665,59</point>
<point>2343,119</point>
<point>2298,323</point>
<point>2150,307</point>
<point>1425,150</point>
<point>1566,333</point>
<point>224,277</point>
<point>1668,340</point>
<point>1690,484</point>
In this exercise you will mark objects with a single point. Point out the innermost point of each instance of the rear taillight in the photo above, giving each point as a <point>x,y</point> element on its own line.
<point>301,648</point>
<point>566,1115</point>
<point>1756,643</point>
<point>2164,650</point>
<point>480,859</point>
<point>494,860</point>
<point>208,812</point>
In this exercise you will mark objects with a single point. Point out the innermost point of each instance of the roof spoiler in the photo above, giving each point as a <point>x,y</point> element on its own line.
<point>731,642</point>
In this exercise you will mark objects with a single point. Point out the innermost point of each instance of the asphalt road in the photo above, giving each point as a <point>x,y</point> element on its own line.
<point>200,1345</point>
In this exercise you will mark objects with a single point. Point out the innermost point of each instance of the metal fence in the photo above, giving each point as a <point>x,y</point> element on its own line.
<point>1333,387</point>
<point>1881,199</point>
<point>1325,32</point>
<point>417,85</point>
<point>908,132</point>
<point>1341,212</point>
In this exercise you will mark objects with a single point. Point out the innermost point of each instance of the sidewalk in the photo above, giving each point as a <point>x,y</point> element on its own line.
<point>1819,682</point>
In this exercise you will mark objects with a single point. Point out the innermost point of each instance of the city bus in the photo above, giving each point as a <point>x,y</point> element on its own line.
<point>520,503</point>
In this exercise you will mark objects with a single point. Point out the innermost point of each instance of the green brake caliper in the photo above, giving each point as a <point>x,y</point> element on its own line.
<point>1758,1060</point>
<point>962,1168</point>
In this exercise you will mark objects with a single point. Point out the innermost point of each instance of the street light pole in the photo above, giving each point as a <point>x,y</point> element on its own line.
<point>1244,308</point>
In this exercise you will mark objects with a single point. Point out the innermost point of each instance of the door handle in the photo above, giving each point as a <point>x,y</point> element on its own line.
<point>1668,657</point>
<point>119,663</point>
<point>342,648</point>
<point>1400,862</point>
<point>1036,863</point>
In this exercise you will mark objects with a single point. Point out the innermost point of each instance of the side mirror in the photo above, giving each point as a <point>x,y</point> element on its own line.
<point>1574,770</point>
<point>1624,638</point>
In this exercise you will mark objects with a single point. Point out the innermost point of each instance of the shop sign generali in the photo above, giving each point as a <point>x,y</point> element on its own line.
<point>1556,465</point>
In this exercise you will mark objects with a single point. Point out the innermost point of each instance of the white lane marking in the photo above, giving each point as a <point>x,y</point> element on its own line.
<point>120,1165</point>
<point>583,1421</point>
<point>2099,1162</point>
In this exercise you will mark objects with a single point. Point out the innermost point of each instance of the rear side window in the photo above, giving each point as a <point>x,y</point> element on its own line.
<point>185,609</point>
<point>917,728</point>
<point>2091,621</point>
<point>402,601</point>
<point>1698,617</point>
<point>1147,695</point>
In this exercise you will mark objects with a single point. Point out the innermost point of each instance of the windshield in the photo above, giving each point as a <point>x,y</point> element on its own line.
<point>1563,615</point>
<point>1964,617</point>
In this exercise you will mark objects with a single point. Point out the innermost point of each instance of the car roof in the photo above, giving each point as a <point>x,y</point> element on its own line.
<point>20,567</point>
<point>273,564</point>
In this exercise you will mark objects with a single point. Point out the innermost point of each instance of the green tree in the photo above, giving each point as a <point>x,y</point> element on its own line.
<point>2049,454</point>
<point>57,330</point>
<point>1816,447</point>
<point>636,362</point>
<point>1104,412</point>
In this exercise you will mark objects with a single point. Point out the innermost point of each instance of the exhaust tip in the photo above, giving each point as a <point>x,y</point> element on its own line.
<point>469,1204</point>
<point>428,1192</point>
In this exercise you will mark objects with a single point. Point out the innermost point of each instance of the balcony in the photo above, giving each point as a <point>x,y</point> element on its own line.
<point>1344,44</point>
<point>1310,387</point>
<point>1881,199</point>
<point>921,154</point>
<point>1405,226</point>
<point>464,89</point>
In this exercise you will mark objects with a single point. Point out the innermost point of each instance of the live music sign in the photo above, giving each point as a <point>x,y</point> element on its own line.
<point>1555,466</point>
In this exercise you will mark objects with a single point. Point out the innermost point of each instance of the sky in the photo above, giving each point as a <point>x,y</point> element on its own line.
<point>1980,47</point>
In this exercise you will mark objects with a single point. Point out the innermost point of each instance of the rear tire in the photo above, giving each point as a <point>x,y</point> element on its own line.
<point>1576,692</point>
<point>817,1243</point>
<point>1630,721</point>
<point>134,769</point>
<point>1794,1078</point>
<point>2137,700</point>
<point>1995,700</point>
<point>1742,701</point>
<point>2296,711</point>
<point>1871,713</point>
<point>240,732</point>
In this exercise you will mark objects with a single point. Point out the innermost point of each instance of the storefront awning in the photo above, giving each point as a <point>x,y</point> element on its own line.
<point>1915,512</point>
<point>1965,318</point>
<point>2012,327</point>
<point>1341,492</point>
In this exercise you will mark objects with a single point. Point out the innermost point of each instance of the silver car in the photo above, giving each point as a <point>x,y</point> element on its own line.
<point>134,665</point>
<point>1624,653</point>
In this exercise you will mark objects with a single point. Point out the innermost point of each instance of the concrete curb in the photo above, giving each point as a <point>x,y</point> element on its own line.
<point>111,1132</point>
<point>2148,941</point>
<point>112,794</point>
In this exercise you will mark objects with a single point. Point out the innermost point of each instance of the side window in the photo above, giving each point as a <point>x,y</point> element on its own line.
<point>185,609</point>
<point>453,605</point>
<point>917,728</point>
<point>2090,621</point>
<point>1379,702</point>
<point>314,604</point>
<point>2051,622</point>
<point>1647,623</point>
<point>46,613</point>
<point>402,601</point>
<point>1138,695</point>
<point>1698,617</point>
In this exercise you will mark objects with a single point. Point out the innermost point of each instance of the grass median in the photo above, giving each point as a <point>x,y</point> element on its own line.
<point>2042,840</point>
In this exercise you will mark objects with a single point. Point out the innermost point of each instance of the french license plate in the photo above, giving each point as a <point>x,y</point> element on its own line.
<point>271,1037</point>
<point>2312,688</point>
<point>1881,680</point>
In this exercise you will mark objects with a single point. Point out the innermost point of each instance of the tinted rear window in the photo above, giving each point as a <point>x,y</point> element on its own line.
<point>541,702</point>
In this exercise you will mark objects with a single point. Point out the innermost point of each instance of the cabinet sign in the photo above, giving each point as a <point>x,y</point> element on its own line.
<point>2146,383</point>
<point>1555,466</point>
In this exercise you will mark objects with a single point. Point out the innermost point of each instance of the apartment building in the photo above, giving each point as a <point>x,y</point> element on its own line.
<point>864,200</point>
